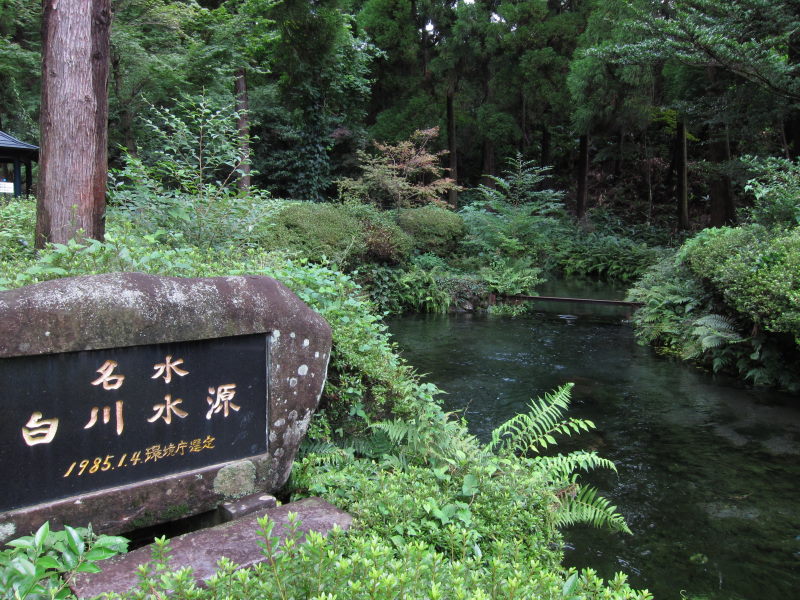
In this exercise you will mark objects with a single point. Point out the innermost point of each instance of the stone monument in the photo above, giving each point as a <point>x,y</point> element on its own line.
<point>130,400</point>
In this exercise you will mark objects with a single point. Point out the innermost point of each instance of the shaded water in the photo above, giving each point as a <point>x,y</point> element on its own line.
<point>708,472</point>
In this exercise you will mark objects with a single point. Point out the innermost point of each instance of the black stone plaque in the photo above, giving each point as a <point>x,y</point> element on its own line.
<point>83,421</point>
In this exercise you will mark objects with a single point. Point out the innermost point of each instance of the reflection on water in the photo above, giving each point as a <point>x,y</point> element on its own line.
<point>708,472</point>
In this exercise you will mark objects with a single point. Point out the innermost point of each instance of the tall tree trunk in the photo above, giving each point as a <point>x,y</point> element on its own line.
<point>723,211</point>
<point>488,168</point>
<point>125,111</point>
<point>452,146</point>
<point>74,120</point>
<point>545,156</point>
<point>791,125</point>
<point>682,188</point>
<point>619,156</point>
<point>583,177</point>
<point>243,125</point>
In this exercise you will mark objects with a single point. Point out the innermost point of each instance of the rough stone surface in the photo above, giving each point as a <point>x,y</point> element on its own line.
<point>236,480</point>
<point>236,540</point>
<point>128,309</point>
<point>126,508</point>
<point>237,509</point>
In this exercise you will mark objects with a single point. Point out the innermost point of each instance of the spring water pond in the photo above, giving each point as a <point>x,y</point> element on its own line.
<point>709,476</point>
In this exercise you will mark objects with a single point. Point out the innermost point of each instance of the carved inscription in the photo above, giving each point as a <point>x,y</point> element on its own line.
<point>83,421</point>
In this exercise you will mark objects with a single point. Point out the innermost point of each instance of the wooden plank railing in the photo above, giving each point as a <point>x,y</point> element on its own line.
<point>583,300</point>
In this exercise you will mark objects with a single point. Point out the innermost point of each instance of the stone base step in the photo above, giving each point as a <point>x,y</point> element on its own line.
<point>236,540</point>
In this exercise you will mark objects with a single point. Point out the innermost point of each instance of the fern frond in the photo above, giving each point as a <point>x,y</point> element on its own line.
<point>562,466</point>
<point>533,431</point>
<point>324,453</point>
<point>396,430</point>
<point>586,506</point>
<point>373,446</point>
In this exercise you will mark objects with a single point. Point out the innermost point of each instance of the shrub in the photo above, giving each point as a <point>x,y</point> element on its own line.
<point>686,315</point>
<point>777,193</point>
<point>606,256</point>
<point>755,270</point>
<point>17,216</point>
<point>43,565</point>
<point>385,241</point>
<point>318,231</point>
<point>344,234</point>
<point>399,175</point>
<point>371,567</point>
<point>433,229</point>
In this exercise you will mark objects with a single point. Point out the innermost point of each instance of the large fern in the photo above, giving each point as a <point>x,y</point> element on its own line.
<point>582,504</point>
<point>531,432</point>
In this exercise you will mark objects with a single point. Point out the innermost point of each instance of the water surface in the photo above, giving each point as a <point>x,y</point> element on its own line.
<point>709,477</point>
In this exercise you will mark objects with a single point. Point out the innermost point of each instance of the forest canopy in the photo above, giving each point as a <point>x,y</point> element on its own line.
<point>608,94</point>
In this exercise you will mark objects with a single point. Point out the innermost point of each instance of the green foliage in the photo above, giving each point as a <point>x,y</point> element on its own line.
<point>606,256</point>
<point>43,565</point>
<point>777,193</point>
<point>672,301</point>
<point>400,290</point>
<point>193,147</point>
<point>434,229</point>
<point>501,229</point>
<point>755,270</point>
<point>467,496</point>
<point>511,276</point>
<point>534,431</point>
<point>344,234</point>
<point>522,183</point>
<point>691,311</point>
<point>16,235</point>
<point>356,567</point>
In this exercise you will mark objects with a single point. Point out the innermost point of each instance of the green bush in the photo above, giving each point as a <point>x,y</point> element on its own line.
<point>433,229</point>
<point>43,565</point>
<point>344,234</point>
<point>755,270</point>
<point>686,315</point>
<point>318,231</point>
<point>348,567</point>
<point>17,216</point>
<point>777,193</point>
<point>606,256</point>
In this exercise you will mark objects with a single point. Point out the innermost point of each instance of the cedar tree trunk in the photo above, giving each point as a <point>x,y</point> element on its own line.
<point>583,177</point>
<point>243,125</point>
<point>452,147</point>
<point>683,175</point>
<point>74,120</point>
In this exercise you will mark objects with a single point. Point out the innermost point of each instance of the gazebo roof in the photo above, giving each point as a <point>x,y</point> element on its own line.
<point>11,148</point>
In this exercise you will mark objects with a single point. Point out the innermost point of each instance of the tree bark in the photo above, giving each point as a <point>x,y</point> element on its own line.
<point>723,211</point>
<point>488,163</point>
<point>545,156</point>
<point>243,125</point>
<point>74,120</point>
<point>682,187</point>
<point>452,147</point>
<point>583,177</point>
<point>125,110</point>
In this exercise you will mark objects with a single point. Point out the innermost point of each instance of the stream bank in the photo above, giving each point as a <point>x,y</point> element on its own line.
<point>708,470</point>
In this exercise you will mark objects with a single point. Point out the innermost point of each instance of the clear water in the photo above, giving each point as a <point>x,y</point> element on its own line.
<point>709,477</point>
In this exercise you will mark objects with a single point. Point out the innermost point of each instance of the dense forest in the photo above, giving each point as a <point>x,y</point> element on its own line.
<point>654,110</point>
<point>389,156</point>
